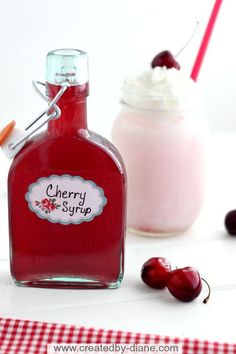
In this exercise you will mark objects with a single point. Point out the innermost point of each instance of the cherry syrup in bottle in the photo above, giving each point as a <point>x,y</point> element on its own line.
<point>67,194</point>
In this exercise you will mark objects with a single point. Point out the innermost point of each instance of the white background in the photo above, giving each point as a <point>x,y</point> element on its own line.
<point>119,35</point>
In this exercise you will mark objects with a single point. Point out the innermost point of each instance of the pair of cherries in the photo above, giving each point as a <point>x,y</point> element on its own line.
<point>185,284</point>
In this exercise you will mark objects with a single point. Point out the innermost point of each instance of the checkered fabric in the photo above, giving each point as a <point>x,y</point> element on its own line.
<point>31,337</point>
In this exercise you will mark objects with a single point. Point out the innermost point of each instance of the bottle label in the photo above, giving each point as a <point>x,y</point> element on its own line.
<point>66,199</point>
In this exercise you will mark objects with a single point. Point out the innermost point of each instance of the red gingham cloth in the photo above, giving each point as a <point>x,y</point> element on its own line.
<point>32,337</point>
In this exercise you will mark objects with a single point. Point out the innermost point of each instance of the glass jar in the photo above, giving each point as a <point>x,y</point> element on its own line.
<point>164,151</point>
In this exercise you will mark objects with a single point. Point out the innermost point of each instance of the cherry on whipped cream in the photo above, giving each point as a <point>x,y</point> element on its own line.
<point>165,58</point>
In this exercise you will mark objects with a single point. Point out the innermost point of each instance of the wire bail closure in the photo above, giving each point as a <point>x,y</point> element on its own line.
<point>49,116</point>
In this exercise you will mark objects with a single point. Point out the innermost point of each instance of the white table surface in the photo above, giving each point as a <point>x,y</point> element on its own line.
<point>135,307</point>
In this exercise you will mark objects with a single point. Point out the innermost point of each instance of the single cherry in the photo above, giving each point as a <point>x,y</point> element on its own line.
<point>230,222</point>
<point>166,59</point>
<point>185,284</point>
<point>155,271</point>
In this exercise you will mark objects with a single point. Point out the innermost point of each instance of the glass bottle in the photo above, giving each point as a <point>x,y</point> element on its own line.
<point>67,194</point>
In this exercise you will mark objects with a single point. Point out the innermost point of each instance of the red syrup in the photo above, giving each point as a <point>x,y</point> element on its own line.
<point>45,253</point>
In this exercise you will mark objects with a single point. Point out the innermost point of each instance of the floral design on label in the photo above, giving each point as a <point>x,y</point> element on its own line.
<point>47,205</point>
<point>66,199</point>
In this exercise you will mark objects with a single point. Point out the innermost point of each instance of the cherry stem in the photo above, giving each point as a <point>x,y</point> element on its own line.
<point>209,291</point>
<point>190,39</point>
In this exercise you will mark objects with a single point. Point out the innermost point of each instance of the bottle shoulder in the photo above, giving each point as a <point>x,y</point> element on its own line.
<point>45,147</point>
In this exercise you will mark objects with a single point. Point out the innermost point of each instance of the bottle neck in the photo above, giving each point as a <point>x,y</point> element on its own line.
<point>73,110</point>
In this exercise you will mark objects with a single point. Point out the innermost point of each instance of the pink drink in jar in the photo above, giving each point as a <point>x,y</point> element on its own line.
<point>161,134</point>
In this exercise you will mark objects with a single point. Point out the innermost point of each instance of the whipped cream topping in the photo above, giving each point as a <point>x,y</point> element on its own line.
<point>160,88</point>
